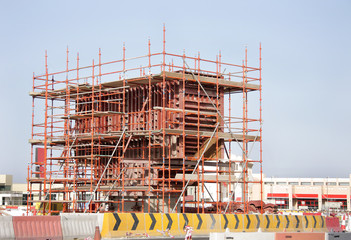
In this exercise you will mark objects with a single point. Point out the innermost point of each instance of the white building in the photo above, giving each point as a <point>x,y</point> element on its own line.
<point>12,193</point>
<point>305,193</point>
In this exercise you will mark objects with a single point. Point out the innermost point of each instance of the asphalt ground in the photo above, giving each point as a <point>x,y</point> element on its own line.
<point>166,238</point>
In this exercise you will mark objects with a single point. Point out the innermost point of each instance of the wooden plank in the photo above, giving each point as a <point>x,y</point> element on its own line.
<point>211,149</point>
<point>157,78</point>
<point>96,114</point>
<point>211,80</point>
<point>187,111</point>
<point>207,177</point>
<point>221,135</point>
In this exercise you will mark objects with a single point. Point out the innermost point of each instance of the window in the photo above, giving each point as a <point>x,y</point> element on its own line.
<point>331,183</point>
<point>282,203</point>
<point>281,183</point>
<point>312,204</point>
<point>318,183</point>
<point>305,183</point>
<point>293,183</point>
<point>24,199</point>
<point>343,203</point>
<point>5,188</point>
<point>269,183</point>
<point>344,184</point>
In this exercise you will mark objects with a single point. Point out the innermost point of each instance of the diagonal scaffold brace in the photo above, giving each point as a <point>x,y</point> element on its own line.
<point>108,163</point>
<point>124,150</point>
<point>196,166</point>
<point>226,125</point>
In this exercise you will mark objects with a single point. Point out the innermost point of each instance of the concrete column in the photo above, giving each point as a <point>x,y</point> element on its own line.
<point>290,197</point>
<point>320,200</point>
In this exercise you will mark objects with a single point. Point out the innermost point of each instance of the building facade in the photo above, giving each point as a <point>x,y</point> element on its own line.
<point>12,193</point>
<point>305,193</point>
<point>316,194</point>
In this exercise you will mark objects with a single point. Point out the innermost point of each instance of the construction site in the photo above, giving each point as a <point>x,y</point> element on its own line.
<point>159,146</point>
<point>135,134</point>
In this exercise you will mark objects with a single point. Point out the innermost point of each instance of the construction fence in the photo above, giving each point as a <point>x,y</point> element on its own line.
<point>118,225</point>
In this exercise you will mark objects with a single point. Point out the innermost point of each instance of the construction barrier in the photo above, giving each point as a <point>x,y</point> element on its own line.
<point>252,222</point>
<point>117,225</point>
<point>123,224</point>
<point>199,224</point>
<point>309,223</point>
<point>173,224</point>
<point>213,223</point>
<point>243,236</point>
<point>338,236</point>
<point>299,236</point>
<point>234,222</point>
<point>333,224</point>
<point>80,225</point>
<point>287,227</point>
<point>268,223</point>
<point>278,223</point>
<point>6,228</point>
<point>185,219</point>
<point>322,224</point>
<point>153,224</point>
<point>40,227</point>
<point>297,223</point>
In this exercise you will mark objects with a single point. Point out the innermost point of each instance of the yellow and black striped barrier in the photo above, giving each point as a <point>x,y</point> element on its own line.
<point>251,222</point>
<point>234,222</point>
<point>153,221</point>
<point>314,223</point>
<point>123,224</point>
<point>268,223</point>
<point>173,224</point>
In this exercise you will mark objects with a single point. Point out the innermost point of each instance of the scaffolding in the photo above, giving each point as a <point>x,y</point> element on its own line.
<point>135,134</point>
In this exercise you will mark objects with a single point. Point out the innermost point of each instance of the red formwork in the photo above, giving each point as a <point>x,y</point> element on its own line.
<point>300,236</point>
<point>333,224</point>
<point>37,227</point>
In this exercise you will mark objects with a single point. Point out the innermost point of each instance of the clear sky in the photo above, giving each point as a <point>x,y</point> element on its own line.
<point>306,65</point>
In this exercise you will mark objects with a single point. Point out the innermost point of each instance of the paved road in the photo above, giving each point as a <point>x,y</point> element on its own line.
<point>168,238</point>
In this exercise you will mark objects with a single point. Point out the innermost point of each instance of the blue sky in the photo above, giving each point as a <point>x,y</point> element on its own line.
<point>306,61</point>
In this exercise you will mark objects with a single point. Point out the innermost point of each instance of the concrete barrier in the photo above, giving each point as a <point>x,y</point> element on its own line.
<point>234,222</point>
<point>299,236</point>
<point>338,236</point>
<point>252,222</point>
<point>153,224</point>
<point>79,225</point>
<point>242,236</point>
<point>199,224</point>
<point>217,236</point>
<point>172,224</point>
<point>118,225</point>
<point>278,224</point>
<point>210,223</point>
<point>309,223</point>
<point>6,228</point>
<point>268,223</point>
<point>37,227</point>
